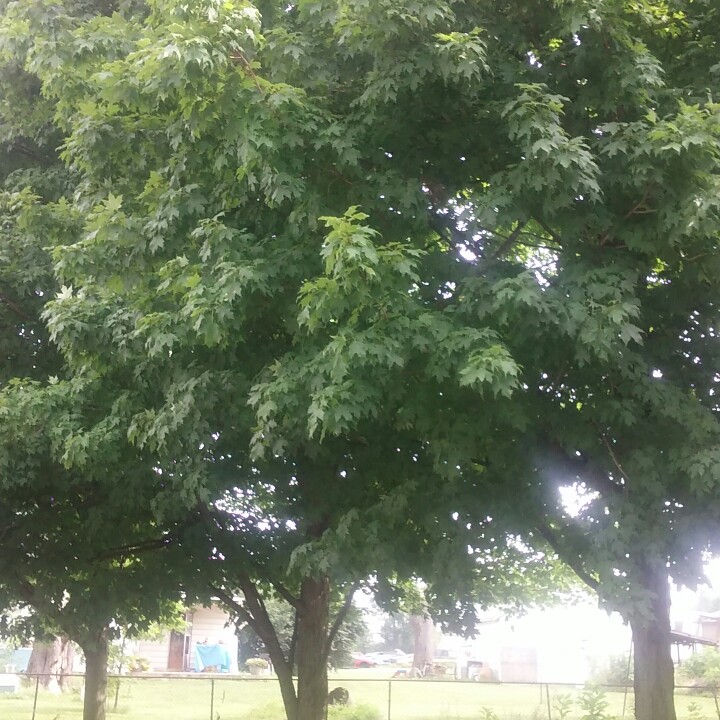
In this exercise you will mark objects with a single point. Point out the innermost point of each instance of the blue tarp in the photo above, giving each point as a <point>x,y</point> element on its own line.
<point>209,655</point>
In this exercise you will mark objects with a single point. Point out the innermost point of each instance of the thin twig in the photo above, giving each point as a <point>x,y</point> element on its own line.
<point>635,210</point>
<point>696,257</point>
<point>239,55</point>
<point>334,171</point>
<point>614,458</point>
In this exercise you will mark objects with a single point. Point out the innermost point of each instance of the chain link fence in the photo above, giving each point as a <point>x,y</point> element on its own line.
<point>220,697</point>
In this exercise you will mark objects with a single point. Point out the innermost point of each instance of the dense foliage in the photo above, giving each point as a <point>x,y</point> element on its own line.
<point>365,283</point>
<point>702,668</point>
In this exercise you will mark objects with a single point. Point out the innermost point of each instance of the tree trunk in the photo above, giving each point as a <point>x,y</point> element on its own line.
<point>52,661</point>
<point>283,670</point>
<point>422,628</point>
<point>654,680</point>
<point>311,644</point>
<point>95,650</point>
<point>312,650</point>
<point>256,615</point>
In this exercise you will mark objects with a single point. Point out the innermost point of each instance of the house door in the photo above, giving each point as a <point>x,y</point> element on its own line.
<point>176,652</point>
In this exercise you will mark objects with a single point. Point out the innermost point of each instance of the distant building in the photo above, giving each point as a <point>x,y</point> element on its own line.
<point>176,652</point>
<point>14,660</point>
<point>556,645</point>
<point>709,626</point>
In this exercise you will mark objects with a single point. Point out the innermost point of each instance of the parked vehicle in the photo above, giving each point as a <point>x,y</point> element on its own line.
<point>390,657</point>
<point>360,660</point>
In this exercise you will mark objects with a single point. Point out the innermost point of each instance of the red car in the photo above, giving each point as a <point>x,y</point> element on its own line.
<point>362,661</point>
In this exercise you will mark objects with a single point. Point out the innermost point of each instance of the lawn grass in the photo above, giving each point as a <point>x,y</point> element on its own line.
<point>259,699</point>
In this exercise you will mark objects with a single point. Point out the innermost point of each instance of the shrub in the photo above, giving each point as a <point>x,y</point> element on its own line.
<point>562,705</point>
<point>135,663</point>
<point>614,671</point>
<point>257,663</point>
<point>702,668</point>
<point>593,703</point>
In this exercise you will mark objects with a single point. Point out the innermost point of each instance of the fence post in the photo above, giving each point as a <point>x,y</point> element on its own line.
<point>389,699</point>
<point>627,676</point>
<point>212,698</point>
<point>37,688</point>
<point>117,692</point>
<point>547,695</point>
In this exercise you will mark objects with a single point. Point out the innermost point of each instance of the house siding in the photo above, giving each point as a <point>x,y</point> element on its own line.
<point>209,624</point>
<point>155,652</point>
<point>204,624</point>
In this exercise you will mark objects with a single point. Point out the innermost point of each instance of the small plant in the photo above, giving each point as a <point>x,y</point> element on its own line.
<point>135,663</point>
<point>694,712</point>
<point>256,666</point>
<point>488,714</point>
<point>593,703</point>
<point>562,705</point>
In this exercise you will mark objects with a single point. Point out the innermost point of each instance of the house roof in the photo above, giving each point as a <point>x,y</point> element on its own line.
<point>681,638</point>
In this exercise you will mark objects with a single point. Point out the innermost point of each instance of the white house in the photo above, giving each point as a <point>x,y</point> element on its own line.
<point>176,652</point>
<point>557,645</point>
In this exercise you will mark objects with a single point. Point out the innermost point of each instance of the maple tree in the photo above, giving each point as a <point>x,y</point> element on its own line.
<point>395,271</point>
<point>76,524</point>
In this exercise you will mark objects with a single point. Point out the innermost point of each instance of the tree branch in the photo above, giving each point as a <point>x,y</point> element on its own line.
<point>257,617</point>
<point>16,308</point>
<point>340,617</point>
<point>230,601</point>
<point>547,229</point>
<point>284,593</point>
<point>509,241</point>
<point>216,519</point>
<point>640,207</point>
<point>293,642</point>
<point>134,548</point>
<point>574,562</point>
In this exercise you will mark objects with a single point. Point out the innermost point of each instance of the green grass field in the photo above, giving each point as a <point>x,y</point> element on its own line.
<point>371,696</point>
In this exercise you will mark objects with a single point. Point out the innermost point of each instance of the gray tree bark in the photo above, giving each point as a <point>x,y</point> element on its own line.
<point>654,681</point>
<point>95,650</point>
<point>422,628</point>
<point>312,650</point>
<point>52,662</point>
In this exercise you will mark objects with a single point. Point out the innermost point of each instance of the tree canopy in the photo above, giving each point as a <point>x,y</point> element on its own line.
<point>392,273</point>
<point>76,517</point>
